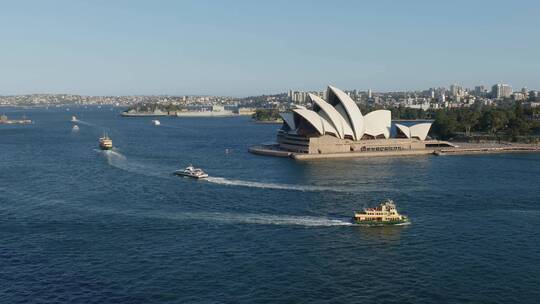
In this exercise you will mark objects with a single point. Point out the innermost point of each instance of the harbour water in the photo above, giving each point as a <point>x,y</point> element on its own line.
<point>79,225</point>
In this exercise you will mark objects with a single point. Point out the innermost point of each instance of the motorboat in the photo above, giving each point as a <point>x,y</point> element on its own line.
<point>192,172</point>
<point>156,122</point>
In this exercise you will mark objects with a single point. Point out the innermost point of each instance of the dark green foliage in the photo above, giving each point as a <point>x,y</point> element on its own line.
<point>445,124</point>
<point>266,115</point>
<point>511,120</point>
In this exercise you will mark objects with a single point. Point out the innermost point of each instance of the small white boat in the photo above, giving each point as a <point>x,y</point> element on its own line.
<point>192,172</point>
<point>156,122</point>
<point>73,118</point>
<point>75,128</point>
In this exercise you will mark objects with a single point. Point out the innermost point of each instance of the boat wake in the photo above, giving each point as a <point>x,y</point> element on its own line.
<point>38,201</point>
<point>305,188</point>
<point>118,160</point>
<point>82,122</point>
<point>261,219</point>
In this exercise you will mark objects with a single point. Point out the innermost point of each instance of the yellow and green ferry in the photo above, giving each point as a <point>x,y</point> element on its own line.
<point>384,215</point>
<point>105,142</point>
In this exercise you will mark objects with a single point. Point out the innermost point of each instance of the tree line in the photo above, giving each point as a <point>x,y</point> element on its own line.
<point>509,121</point>
<point>266,115</point>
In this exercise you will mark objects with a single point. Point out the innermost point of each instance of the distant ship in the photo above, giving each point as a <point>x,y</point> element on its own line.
<point>192,172</point>
<point>156,122</point>
<point>215,111</point>
<point>105,143</point>
<point>75,128</point>
<point>5,120</point>
<point>385,214</point>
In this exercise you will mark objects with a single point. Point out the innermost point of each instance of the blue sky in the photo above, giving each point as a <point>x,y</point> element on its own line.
<point>241,48</point>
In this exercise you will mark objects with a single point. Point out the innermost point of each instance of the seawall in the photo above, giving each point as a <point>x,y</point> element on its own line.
<point>460,149</point>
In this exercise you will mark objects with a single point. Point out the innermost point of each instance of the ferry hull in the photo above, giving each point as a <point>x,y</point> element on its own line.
<point>379,223</point>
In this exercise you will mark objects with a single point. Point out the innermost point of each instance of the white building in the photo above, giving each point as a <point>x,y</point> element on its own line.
<point>501,90</point>
<point>336,125</point>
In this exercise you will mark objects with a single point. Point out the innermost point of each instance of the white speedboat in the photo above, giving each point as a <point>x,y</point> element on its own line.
<point>156,122</point>
<point>75,128</point>
<point>73,118</point>
<point>192,172</point>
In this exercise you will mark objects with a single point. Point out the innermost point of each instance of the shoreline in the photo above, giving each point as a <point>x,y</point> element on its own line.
<point>464,149</point>
<point>267,122</point>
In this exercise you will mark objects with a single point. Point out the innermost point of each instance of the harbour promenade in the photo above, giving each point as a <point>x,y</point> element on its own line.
<point>458,149</point>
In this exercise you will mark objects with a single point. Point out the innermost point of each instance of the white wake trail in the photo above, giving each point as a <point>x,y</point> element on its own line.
<point>82,122</point>
<point>260,219</point>
<point>234,182</point>
<point>118,160</point>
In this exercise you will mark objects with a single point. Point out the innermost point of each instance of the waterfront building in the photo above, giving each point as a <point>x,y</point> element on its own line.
<point>336,125</point>
<point>246,111</point>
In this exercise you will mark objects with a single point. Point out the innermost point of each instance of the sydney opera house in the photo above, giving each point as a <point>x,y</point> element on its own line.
<point>336,125</point>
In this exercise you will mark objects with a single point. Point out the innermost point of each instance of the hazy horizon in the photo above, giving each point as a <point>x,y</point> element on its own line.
<point>244,48</point>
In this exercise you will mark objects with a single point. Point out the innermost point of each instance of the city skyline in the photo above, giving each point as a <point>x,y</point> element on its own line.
<point>243,48</point>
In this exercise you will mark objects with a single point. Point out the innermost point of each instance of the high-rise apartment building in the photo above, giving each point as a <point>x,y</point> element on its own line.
<point>501,90</point>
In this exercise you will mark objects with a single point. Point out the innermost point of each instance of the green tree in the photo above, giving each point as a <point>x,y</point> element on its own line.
<point>495,120</point>
<point>266,115</point>
<point>469,119</point>
<point>445,124</point>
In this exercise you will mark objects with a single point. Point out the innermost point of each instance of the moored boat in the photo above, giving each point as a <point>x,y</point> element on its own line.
<point>192,172</point>
<point>105,143</point>
<point>73,118</point>
<point>75,128</point>
<point>156,122</point>
<point>385,214</point>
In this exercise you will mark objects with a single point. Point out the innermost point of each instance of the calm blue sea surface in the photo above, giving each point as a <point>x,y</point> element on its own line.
<point>78,225</point>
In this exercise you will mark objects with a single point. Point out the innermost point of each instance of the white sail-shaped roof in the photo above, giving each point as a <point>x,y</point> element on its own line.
<point>288,118</point>
<point>341,117</point>
<point>404,129</point>
<point>378,123</point>
<point>340,124</point>
<point>420,130</point>
<point>319,123</point>
<point>354,116</point>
